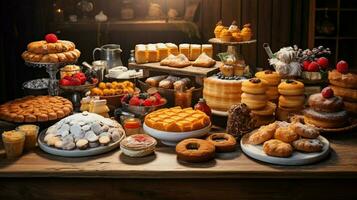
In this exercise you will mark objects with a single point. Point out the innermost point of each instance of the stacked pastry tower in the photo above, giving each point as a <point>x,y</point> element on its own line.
<point>95,105</point>
<point>291,99</point>
<point>345,86</point>
<point>255,97</point>
<point>272,79</point>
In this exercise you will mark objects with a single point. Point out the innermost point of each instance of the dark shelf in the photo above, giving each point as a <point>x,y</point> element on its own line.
<point>334,38</point>
<point>336,9</point>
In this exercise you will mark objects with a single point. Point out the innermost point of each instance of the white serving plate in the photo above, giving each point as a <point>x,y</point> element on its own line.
<point>76,152</point>
<point>172,138</point>
<point>297,158</point>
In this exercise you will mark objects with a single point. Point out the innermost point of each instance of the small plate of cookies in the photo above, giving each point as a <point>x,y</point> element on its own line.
<point>284,143</point>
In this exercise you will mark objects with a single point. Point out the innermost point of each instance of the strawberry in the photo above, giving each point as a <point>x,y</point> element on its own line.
<point>134,101</point>
<point>75,81</point>
<point>51,38</point>
<point>323,62</point>
<point>313,67</point>
<point>95,80</point>
<point>64,82</point>
<point>147,102</point>
<point>157,95</point>
<point>67,78</point>
<point>327,92</point>
<point>305,65</point>
<point>342,67</point>
<point>141,102</point>
<point>81,76</point>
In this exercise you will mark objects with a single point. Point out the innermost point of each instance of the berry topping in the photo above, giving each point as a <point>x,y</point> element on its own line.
<point>147,102</point>
<point>135,101</point>
<point>327,92</point>
<point>313,67</point>
<point>323,62</point>
<point>51,38</point>
<point>255,80</point>
<point>139,138</point>
<point>342,67</point>
<point>305,65</point>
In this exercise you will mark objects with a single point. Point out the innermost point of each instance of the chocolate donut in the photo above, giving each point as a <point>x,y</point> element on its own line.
<point>223,142</point>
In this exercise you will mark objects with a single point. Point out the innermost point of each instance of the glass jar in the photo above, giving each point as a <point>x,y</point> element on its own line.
<point>132,126</point>
<point>183,98</point>
<point>31,133</point>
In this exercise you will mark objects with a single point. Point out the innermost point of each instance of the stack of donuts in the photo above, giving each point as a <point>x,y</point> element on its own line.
<point>255,97</point>
<point>345,86</point>
<point>272,79</point>
<point>291,99</point>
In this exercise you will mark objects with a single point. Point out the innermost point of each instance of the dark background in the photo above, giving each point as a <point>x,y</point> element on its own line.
<point>278,22</point>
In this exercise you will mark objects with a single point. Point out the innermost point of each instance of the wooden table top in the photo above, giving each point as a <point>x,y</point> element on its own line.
<point>341,163</point>
<point>189,70</point>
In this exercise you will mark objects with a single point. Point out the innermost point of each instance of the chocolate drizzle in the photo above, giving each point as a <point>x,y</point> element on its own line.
<point>239,121</point>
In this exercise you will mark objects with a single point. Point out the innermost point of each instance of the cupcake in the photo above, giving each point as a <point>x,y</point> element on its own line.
<point>218,29</point>
<point>246,32</point>
<point>226,35</point>
<point>227,70</point>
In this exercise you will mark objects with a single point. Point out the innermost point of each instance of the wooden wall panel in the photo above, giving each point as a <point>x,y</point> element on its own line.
<point>263,34</point>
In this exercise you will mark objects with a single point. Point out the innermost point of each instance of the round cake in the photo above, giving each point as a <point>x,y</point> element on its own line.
<point>221,94</point>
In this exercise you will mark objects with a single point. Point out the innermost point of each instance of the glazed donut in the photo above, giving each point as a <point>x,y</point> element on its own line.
<point>222,141</point>
<point>343,80</point>
<point>272,92</point>
<point>308,145</point>
<point>277,148</point>
<point>319,103</point>
<point>254,101</point>
<point>304,130</point>
<point>264,133</point>
<point>345,93</point>
<point>351,106</point>
<point>254,86</point>
<point>195,150</point>
<point>271,77</point>
<point>268,110</point>
<point>324,119</point>
<point>291,101</point>
<point>291,88</point>
<point>285,134</point>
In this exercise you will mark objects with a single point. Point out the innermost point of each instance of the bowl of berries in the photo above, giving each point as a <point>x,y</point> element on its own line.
<point>77,82</point>
<point>143,103</point>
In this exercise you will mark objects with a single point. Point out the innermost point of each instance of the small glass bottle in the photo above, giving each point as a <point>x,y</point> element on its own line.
<point>132,57</point>
<point>202,106</point>
<point>132,126</point>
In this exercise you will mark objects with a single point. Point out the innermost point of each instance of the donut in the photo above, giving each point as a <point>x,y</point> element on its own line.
<point>260,120</point>
<point>264,133</point>
<point>285,134</point>
<point>348,80</point>
<point>291,88</point>
<point>254,101</point>
<point>271,77</point>
<point>351,106</point>
<point>254,86</point>
<point>195,150</point>
<point>346,93</point>
<point>304,130</point>
<point>268,110</point>
<point>325,119</point>
<point>277,148</point>
<point>319,103</point>
<point>223,142</point>
<point>308,145</point>
<point>291,101</point>
<point>272,92</point>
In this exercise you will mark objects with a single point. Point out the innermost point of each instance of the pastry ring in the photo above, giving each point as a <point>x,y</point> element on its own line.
<point>195,150</point>
<point>223,142</point>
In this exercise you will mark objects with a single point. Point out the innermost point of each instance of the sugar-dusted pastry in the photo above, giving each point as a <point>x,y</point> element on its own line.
<point>308,145</point>
<point>207,49</point>
<point>304,130</point>
<point>320,103</point>
<point>182,84</point>
<point>218,29</point>
<point>272,78</point>
<point>347,94</point>
<point>254,86</point>
<point>185,49</point>
<point>173,49</point>
<point>246,32</point>
<point>162,50</point>
<point>138,145</point>
<point>168,82</point>
<point>195,150</point>
<point>152,54</point>
<point>155,80</point>
<point>140,53</point>
<point>195,51</point>
<point>204,61</point>
<point>226,35</point>
<point>178,61</point>
<point>291,88</point>
<point>285,134</point>
<point>263,134</point>
<point>277,148</point>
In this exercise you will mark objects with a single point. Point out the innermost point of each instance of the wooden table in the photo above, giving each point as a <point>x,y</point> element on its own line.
<point>37,175</point>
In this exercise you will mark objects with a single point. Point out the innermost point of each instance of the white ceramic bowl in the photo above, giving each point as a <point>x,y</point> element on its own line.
<point>172,138</point>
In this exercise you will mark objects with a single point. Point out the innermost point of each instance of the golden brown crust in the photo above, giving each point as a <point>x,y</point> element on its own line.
<point>323,121</point>
<point>304,130</point>
<point>346,93</point>
<point>254,101</point>
<point>343,80</point>
<point>291,101</point>
<point>277,148</point>
<point>223,142</point>
<point>285,134</point>
<point>268,110</point>
<point>264,133</point>
<point>351,106</point>
<point>319,103</point>
<point>308,145</point>
<point>68,56</point>
<point>291,88</point>
<point>272,78</point>
<point>42,47</point>
<point>195,150</point>
<point>254,86</point>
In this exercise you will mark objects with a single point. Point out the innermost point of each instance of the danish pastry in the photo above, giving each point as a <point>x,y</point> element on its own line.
<point>308,145</point>
<point>291,88</point>
<point>305,131</point>
<point>195,150</point>
<point>223,142</point>
<point>319,103</point>
<point>263,134</point>
<point>43,47</point>
<point>285,134</point>
<point>277,148</point>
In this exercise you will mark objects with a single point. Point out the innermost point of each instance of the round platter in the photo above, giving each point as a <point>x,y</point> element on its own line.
<point>78,88</point>
<point>218,41</point>
<point>172,138</point>
<point>351,121</point>
<point>76,152</point>
<point>220,113</point>
<point>297,158</point>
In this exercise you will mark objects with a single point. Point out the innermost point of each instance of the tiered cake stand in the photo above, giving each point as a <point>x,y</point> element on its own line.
<point>51,69</point>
